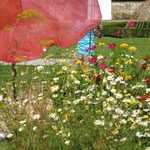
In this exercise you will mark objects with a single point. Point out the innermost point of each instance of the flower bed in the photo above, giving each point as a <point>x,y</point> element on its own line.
<point>101,104</point>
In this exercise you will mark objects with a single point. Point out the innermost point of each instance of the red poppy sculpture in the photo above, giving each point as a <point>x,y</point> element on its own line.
<point>41,24</point>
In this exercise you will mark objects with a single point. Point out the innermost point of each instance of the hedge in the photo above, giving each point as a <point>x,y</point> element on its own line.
<point>110,29</point>
<point>141,24</point>
<point>125,32</point>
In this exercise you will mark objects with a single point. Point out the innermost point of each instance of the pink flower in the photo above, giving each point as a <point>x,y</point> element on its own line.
<point>118,32</point>
<point>131,24</point>
<point>87,49</point>
<point>112,46</point>
<point>103,58</point>
<point>112,69</point>
<point>82,58</point>
<point>92,48</point>
<point>102,66</point>
<point>93,60</point>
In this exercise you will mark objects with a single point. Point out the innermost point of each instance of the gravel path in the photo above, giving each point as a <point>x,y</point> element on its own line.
<point>41,61</point>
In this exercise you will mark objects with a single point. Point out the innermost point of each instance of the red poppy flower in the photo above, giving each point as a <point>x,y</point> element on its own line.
<point>112,46</point>
<point>143,98</point>
<point>144,65</point>
<point>147,58</point>
<point>93,60</point>
<point>112,69</point>
<point>97,78</point>
<point>148,80</point>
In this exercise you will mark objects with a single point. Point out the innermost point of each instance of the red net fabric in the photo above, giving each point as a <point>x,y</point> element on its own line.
<point>8,11</point>
<point>66,22</point>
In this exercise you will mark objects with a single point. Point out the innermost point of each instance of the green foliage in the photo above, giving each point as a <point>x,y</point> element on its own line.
<point>126,32</point>
<point>64,108</point>
<point>141,29</point>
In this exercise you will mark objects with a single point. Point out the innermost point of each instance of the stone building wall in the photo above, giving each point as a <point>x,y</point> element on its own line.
<point>126,7</point>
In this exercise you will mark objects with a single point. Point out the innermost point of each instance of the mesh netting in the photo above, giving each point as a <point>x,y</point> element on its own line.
<point>8,11</point>
<point>66,22</point>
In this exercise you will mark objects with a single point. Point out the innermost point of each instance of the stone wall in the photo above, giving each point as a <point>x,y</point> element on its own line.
<point>126,7</point>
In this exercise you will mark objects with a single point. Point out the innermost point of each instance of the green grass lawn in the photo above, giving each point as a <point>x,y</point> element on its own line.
<point>142,45</point>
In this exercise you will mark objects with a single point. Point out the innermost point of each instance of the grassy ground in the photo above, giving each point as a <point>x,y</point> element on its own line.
<point>142,44</point>
<point>143,50</point>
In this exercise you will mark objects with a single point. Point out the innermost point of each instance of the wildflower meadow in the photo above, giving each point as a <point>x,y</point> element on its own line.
<point>100,104</point>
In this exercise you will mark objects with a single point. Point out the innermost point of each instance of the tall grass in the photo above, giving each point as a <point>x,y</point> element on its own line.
<point>99,105</point>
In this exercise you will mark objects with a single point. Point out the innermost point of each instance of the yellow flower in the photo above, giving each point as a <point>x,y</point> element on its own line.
<point>109,105</point>
<point>79,62</point>
<point>81,121</point>
<point>62,54</point>
<point>66,109</point>
<point>145,116</point>
<point>104,109</point>
<point>122,73</point>
<point>132,49</point>
<point>86,106</point>
<point>89,81</point>
<point>98,111</point>
<point>67,115</point>
<point>133,102</point>
<point>124,45</point>
<point>107,69</point>
<point>127,95</point>
<point>129,61</point>
<point>51,108</point>
<point>101,44</point>
<point>76,48</point>
<point>60,72</point>
<point>117,63</point>
<point>8,27</point>
<point>86,71</point>
<point>128,77</point>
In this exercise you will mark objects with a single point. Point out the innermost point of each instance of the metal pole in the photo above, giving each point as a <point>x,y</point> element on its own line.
<point>13,81</point>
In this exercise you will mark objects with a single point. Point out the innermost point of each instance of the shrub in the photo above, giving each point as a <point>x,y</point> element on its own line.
<point>125,32</point>
<point>110,29</point>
